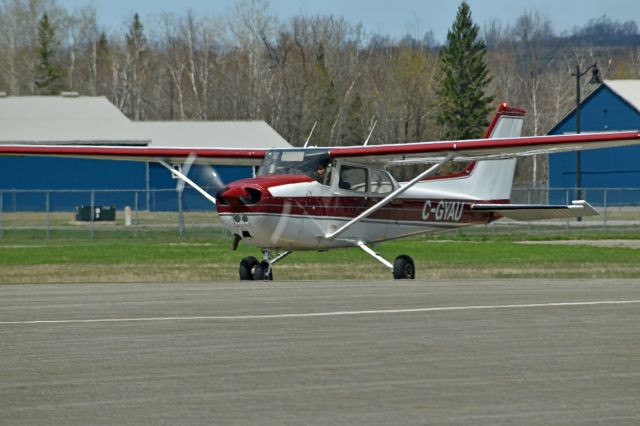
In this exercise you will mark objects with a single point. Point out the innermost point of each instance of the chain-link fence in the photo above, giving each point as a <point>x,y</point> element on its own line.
<point>59,213</point>
<point>618,208</point>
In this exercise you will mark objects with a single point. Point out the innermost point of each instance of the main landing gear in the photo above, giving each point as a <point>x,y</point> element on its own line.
<point>252,270</point>
<point>403,267</point>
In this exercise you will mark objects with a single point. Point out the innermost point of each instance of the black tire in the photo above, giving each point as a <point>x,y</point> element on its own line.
<point>247,266</point>
<point>263,272</point>
<point>403,268</point>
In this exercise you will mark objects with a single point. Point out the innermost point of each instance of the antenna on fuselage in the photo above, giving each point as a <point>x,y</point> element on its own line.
<point>310,133</point>
<point>370,133</point>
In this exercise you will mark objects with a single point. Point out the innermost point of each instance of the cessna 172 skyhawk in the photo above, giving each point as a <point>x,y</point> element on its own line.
<point>356,202</point>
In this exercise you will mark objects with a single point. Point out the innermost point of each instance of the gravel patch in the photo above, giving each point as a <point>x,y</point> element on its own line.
<point>635,244</point>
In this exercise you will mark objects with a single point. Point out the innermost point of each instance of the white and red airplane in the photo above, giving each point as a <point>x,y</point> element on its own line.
<point>354,201</point>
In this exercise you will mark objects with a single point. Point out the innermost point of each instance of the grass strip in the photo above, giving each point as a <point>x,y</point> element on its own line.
<point>162,257</point>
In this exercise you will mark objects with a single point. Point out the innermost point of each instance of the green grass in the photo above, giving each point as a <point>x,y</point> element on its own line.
<point>162,256</point>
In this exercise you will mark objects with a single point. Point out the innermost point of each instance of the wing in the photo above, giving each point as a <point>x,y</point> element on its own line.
<point>466,150</point>
<point>218,156</point>
<point>489,148</point>
<point>498,143</point>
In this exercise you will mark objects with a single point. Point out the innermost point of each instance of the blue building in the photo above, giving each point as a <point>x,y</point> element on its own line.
<point>615,105</point>
<point>73,119</point>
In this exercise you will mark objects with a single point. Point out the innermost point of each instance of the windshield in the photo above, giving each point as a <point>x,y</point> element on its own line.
<point>294,162</point>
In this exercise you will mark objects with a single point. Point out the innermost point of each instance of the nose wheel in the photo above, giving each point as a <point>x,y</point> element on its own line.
<point>263,272</point>
<point>247,268</point>
<point>252,270</point>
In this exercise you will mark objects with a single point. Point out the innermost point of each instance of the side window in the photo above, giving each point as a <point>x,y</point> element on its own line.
<point>353,178</point>
<point>381,182</point>
<point>328,175</point>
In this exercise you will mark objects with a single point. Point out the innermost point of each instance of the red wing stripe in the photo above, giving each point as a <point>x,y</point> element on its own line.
<point>112,151</point>
<point>498,145</point>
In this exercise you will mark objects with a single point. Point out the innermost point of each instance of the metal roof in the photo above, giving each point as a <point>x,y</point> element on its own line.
<point>629,90</point>
<point>219,134</point>
<point>65,120</point>
<point>90,120</point>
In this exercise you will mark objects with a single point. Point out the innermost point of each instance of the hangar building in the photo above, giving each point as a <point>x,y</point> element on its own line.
<point>72,119</point>
<point>614,105</point>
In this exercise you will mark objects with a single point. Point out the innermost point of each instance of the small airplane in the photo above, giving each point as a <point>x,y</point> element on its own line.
<point>315,198</point>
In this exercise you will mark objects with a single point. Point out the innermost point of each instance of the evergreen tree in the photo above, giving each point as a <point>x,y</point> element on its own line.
<point>136,57</point>
<point>102,64</point>
<point>136,40</point>
<point>463,105</point>
<point>325,97</point>
<point>48,71</point>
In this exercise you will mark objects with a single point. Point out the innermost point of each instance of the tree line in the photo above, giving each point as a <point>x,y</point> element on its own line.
<point>303,71</point>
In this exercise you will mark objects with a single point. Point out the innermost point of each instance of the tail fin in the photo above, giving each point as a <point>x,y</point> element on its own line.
<point>490,179</point>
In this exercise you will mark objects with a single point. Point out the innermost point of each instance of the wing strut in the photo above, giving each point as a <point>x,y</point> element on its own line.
<point>375,255</point>
<point>427,173</point>
<point>188,181</point>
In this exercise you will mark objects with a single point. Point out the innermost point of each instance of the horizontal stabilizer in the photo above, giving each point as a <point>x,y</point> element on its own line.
<point>529,212</point>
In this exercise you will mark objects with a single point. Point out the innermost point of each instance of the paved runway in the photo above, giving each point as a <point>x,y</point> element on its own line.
<point>510,352</point>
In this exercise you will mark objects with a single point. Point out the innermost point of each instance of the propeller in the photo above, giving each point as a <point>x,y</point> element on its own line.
<point>282,223</point>
<point>186,166</point>
<point>281,226</point>
<point>206,177</point>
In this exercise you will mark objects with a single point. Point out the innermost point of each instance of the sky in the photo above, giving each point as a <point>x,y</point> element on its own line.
<point>388,17</point>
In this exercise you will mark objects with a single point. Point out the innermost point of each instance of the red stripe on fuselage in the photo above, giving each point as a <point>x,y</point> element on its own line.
<point>401,209</point>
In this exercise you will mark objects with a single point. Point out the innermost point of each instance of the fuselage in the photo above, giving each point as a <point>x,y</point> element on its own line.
<point>295,212</point>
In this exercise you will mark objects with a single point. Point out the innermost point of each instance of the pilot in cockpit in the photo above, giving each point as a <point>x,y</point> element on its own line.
<point>323,172</point>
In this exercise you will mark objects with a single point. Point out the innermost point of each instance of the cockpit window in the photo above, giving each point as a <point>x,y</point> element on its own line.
<point>353,178</point>
<point>302,162</point>
<point>381,182</point>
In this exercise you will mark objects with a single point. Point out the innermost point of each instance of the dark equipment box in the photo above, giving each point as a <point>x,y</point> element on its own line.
<point>100,213</point>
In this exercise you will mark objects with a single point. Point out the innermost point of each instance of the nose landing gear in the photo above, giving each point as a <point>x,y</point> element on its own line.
<point>263,272</point>
<point>247,268</point>
<point>252,270</point>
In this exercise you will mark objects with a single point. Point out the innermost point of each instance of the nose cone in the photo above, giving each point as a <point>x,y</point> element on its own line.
<point>240,196</point>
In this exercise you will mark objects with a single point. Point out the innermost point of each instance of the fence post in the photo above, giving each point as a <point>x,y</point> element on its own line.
<point>93,206</point>
<point>147,178</point>
<point>180,214</point>
<point>638,215</point>
<point>605,209</point>
<point>566,201</point>
<point>529,202</point>
<point>1,212</point>
<point>47,216</point>
<point>137,218</point>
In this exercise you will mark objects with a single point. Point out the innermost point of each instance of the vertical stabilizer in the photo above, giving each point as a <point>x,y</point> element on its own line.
<point>493,179</point>
<point>488,179</point>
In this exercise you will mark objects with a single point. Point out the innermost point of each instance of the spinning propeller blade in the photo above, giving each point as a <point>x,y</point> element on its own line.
<point>186,166</point>
<point>209,179</point>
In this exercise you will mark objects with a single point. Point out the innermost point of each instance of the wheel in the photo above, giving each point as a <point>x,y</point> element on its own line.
<point>247,266</point>
<point>403,268</point>
<point>263,272</point>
